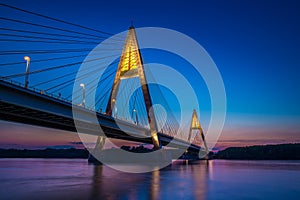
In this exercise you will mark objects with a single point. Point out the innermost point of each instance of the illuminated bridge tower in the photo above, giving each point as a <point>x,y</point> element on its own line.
<point>130,66</point>
<point>195,125</point>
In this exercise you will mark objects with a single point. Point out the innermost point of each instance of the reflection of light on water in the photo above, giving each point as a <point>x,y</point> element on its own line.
<point>231,180</point>
<point>200,172</point>
<point>97,181</point>
<point>210,169</point>
<point>155,184</point>
<point>182,171</point>
<point>109,183</point>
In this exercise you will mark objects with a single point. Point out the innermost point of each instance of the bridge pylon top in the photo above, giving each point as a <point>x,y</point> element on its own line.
<point>195,125</point>
<point>131,59</point>
<point>195,121</point>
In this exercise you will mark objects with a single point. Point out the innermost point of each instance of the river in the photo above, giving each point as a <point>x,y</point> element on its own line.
<point>217,179</point>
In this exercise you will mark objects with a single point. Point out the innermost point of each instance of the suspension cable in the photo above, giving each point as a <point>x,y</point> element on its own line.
<point>51,68</point>
<point>54,19</point>
<point>51,27</point>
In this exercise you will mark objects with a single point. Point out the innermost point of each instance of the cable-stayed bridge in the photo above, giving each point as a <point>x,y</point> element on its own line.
<point>121,97</point>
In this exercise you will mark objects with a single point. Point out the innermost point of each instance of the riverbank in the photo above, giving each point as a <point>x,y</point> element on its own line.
<point>266,152</point>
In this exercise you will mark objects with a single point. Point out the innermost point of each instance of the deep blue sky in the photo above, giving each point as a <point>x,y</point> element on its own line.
<point>255,45</point>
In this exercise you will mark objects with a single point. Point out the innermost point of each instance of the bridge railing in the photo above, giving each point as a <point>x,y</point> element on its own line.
<point>40,91</point>
<point>60,98</point>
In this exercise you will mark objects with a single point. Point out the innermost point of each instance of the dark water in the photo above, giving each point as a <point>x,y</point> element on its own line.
<point>219,179</point>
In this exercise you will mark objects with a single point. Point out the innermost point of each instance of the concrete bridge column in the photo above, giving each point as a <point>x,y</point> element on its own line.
<point>98,148</point>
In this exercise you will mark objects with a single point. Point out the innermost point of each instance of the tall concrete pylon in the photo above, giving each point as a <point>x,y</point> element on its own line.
<point>195,125</point>
<point>131,65</point>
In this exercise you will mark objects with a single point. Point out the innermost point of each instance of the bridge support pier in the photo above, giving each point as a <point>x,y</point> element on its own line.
<point>98,148</point>
<point>195,155</point>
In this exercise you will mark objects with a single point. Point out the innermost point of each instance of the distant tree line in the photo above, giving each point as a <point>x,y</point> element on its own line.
<point>266,152</point>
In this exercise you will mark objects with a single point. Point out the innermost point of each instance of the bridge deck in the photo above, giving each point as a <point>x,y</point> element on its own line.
<point>22,105</point>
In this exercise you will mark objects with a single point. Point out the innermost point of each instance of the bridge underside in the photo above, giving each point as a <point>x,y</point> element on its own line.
<point>18,104</point>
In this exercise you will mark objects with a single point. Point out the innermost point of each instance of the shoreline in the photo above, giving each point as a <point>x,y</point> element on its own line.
<point>264,152</point>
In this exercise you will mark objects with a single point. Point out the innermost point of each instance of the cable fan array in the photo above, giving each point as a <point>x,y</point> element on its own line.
<point>57,48</point>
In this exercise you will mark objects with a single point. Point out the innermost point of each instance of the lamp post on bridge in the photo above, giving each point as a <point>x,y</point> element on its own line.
<point>116,111</point>
<point>136,116</point>
<point>83,94</point>
<point>27,58</point>
<point>115,108</point>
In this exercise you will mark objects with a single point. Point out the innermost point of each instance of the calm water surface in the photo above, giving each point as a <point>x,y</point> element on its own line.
<point>219,179</point>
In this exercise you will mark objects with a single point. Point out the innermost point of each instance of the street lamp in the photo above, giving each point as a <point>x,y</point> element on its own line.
<point>83,94</point>
<point>27,58</point>
<point>116,111</point>
<point>115,108</point>
<point>136,116</point>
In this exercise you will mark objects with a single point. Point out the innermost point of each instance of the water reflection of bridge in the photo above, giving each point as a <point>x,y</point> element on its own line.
<point>158,184</point>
